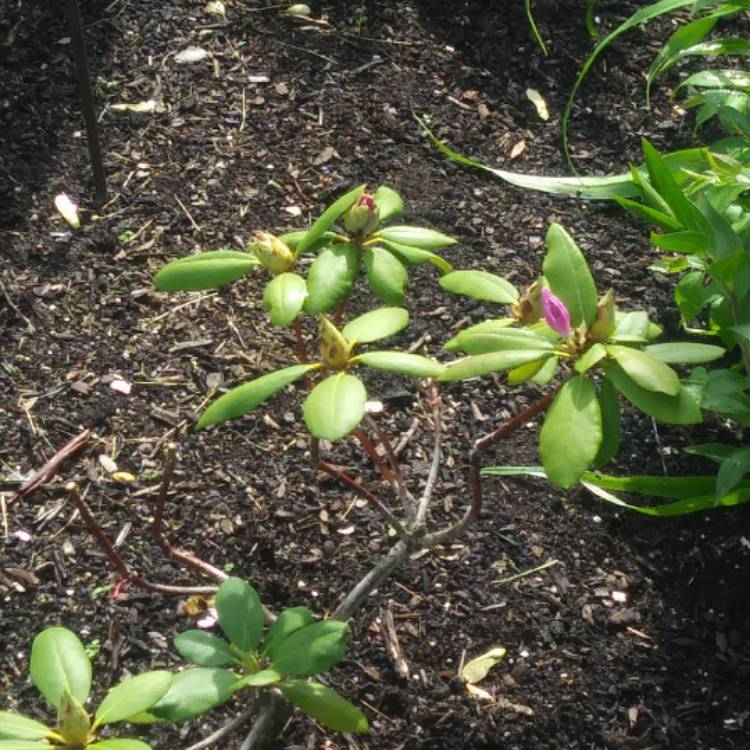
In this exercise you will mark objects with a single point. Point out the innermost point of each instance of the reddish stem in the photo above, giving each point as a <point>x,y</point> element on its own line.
<point>117,561</point>
<point>52,467</point>
<point>361,435</point>
<point>182,556</point>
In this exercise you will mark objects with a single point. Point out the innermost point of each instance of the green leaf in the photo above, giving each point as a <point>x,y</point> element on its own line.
<point>643,15</point>
<point>546,371</point>
<point>681,487</point>
<point>335,406</point>
<point>478,668</point>
<point>414,256</point>
<point>714,451</point>
<point>496,325</point>
<point>73,721</point>
<point>330,278</point>
<point>590,358</point>
<point>376,325</point>
<point>693,243</point>
<point>244,398</point>
<point>689,294</point>
<point>646,371</point>
<point>17,727</point>
<point>483,364</point>
<point>312,649</point>
<point>427,239</point>
<point>732,470</point>
<point>679,409</point>
<point>480,285</point>
<point>204,271</point>
<point>534,28</point>
<point>240,613</point>
<point>283,298</point>
<point>386,275</point>
<point>715,79</point>
<point>132,696</point>
<point>325,705</point>
<point>609,406</point>
<point>685,353</point>
<point>24,745</point>
<point>632,325</point>
<point>259,679</point>
<point>192,693</point>
<point>288,621</point>
<point>389,203</point>
<point>59,661</point>
<point>482,341</point>
<point>293,239</point>
<point>593,188</point>
<point>119,743</point>
<point>575,411</point>
<point>329,218</point>
<point>203,648</point>
<point>568,276</point>
<point>650,215</point>
<point>405,363</point>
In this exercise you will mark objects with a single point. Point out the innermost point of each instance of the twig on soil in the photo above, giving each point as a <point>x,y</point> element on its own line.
<point>52,466</point>
<point>12,306</point>
<point>525,573</point>
<point>393,645</point>
<point>227,729</point>
<point>403,492</point>
<point>188,214</point>
<point>182,556</point>
<point>114,557</point>
<point>179,307</point>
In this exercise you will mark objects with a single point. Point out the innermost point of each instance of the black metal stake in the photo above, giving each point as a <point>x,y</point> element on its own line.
<point>87,101</point>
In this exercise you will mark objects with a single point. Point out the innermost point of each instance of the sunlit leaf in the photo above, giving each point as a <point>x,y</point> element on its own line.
<point>59,661</point>
<point>389,202</point>
<point>325,705</point>
<point>376,325</point>
<point>483,364</point>
<point>244,398</point>
<point>203,648</point>
<point>335,406</point>
<point>480,285</point>
<point>204,271</point>
<point>312,649</point>
<point>240,613</point>
<point>646,371</point>
<point>132,696</point>
<point>329,218</point>
<point>477,669</point>
<point>427,239</point>
<point>386,275</point>
<point>405,363</point>
<point>283,298</point>
<point>18,727</point>
<point>330,278</point>
<point>574,412</point>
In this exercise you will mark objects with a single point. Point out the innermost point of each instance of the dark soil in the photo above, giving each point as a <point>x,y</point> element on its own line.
<point>279,119</point>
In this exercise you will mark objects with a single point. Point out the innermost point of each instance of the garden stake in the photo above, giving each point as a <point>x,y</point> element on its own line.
<point>87,101</point>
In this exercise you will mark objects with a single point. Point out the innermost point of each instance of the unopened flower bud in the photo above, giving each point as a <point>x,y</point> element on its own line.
<point>363,217</point>
<point>604,322</point>
<point>555,313</point>
<point>528,309</point>
<point>335,350</point>
<point>273,254</point>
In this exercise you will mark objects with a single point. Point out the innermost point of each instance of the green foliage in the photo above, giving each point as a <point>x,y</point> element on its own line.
<point>61,671</point>
<point>559,318</point>
<point>336,405</point>
<point>295,646</point>
<point>348,235</point>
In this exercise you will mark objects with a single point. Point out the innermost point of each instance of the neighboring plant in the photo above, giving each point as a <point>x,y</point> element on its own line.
<point>61,672</point>
<point>561,330</point>
<point>294,648</point>
<point>706,234</point>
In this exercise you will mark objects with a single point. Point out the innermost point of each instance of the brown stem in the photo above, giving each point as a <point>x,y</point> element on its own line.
<point>392,458</point>
<point>117,561</point>
<point>361,435</point>
<point>52,467</point>
<point>300,342</point>
<point>353,484</point>
<point>475,480</point>
<point>182,556</point>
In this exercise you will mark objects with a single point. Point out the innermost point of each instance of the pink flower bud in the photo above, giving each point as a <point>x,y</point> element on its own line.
<point>362,218</point>
<point>555,313</point>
